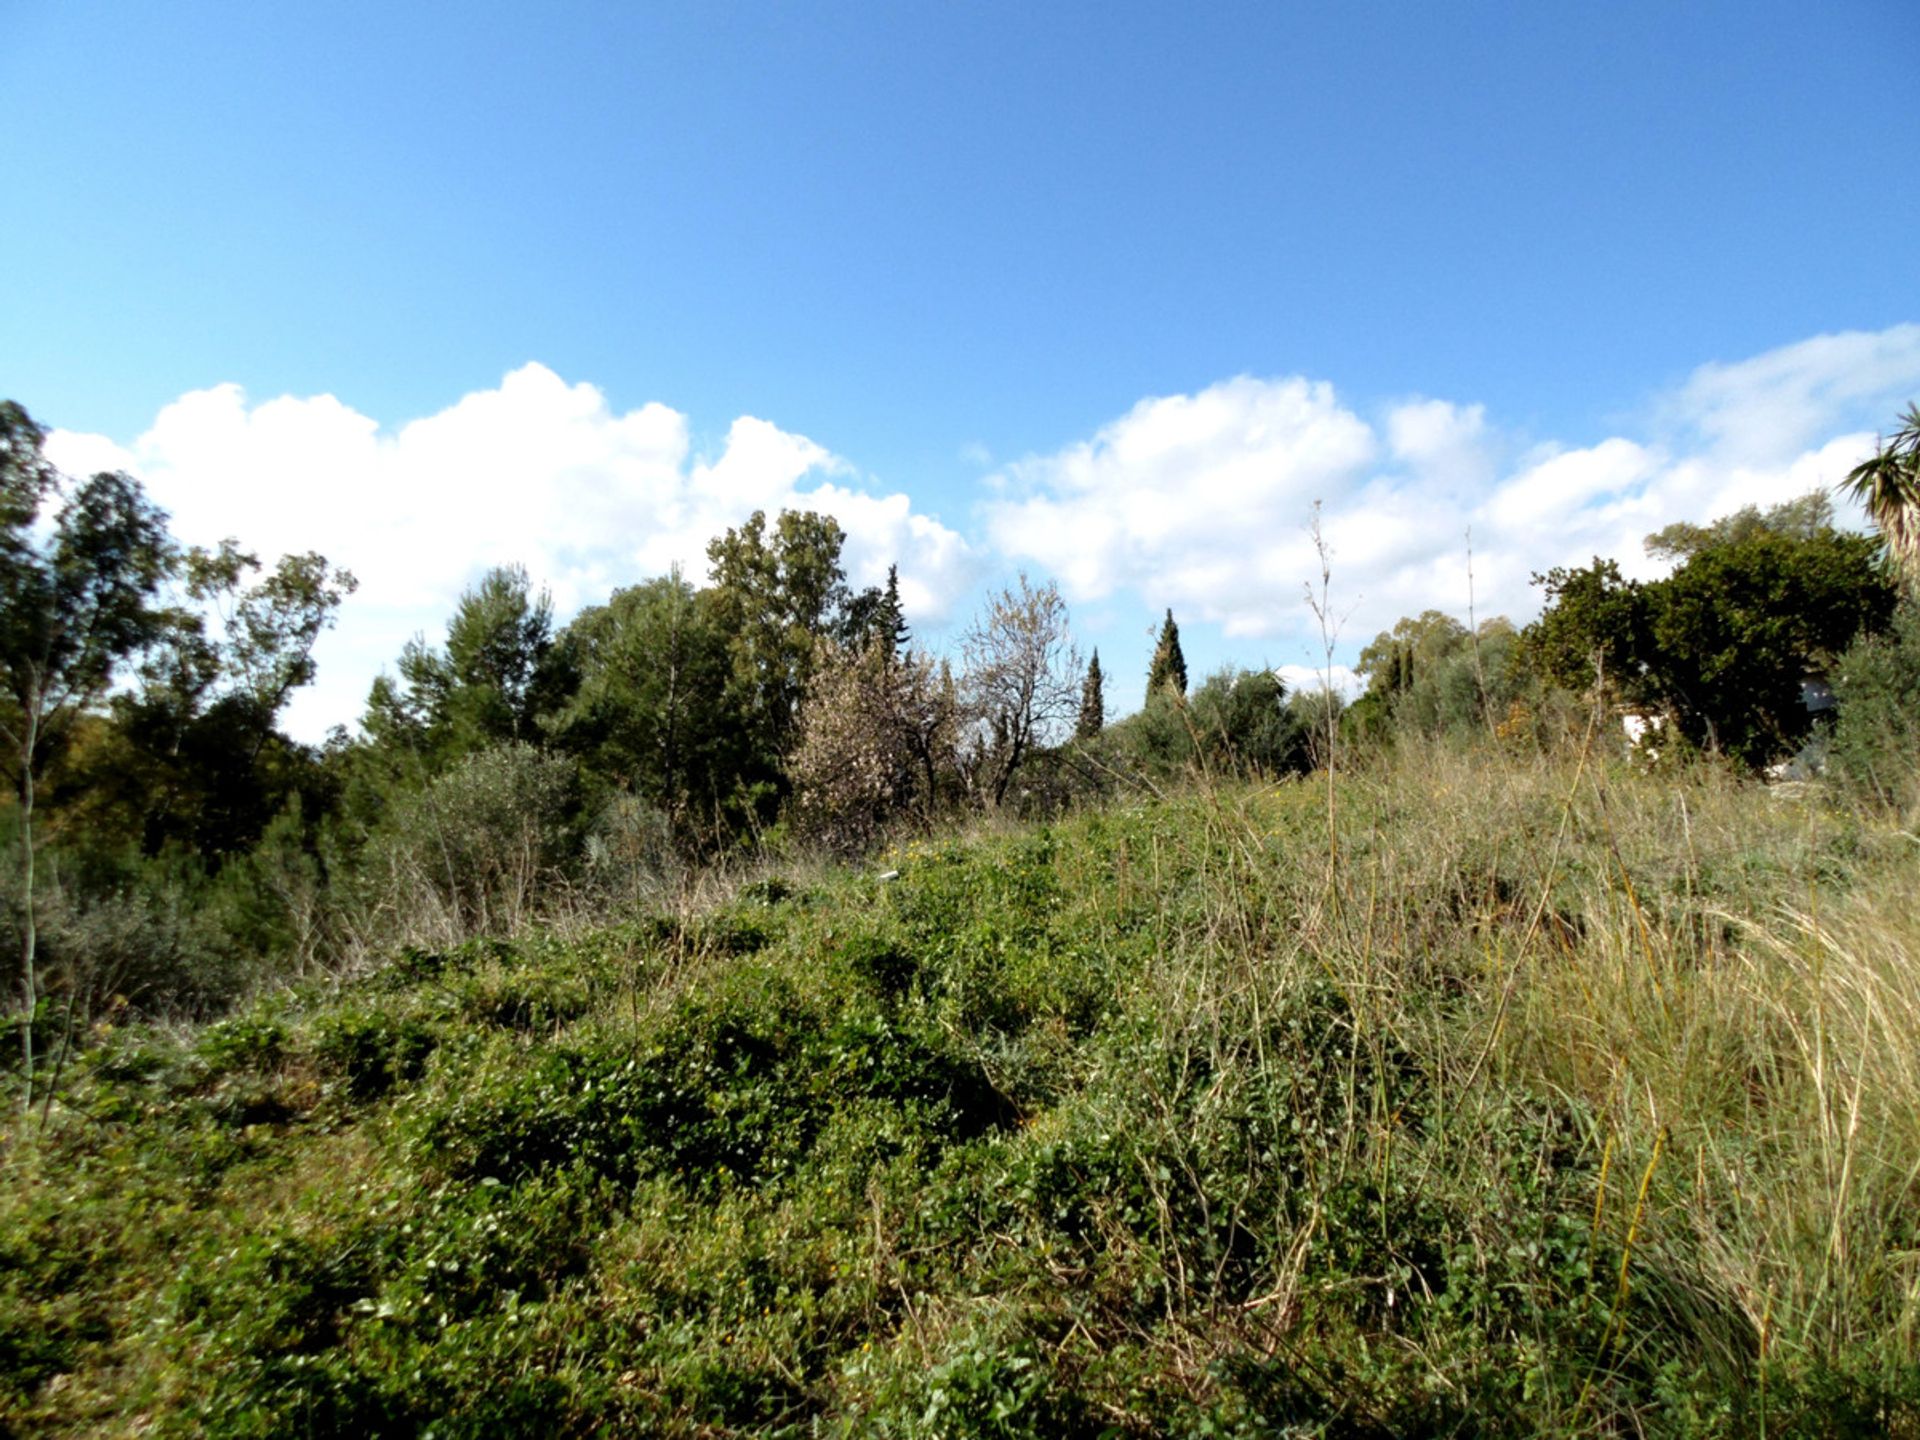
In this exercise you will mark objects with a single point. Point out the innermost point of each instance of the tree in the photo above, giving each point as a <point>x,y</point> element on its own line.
<point>193,754</point>
<point>650,712</point>
<point>269,626</point>
<point>1592,631</point>
<point>1020,669</point>
<point>1245,723</point>
<point>1399,656</point>
<point>879,737</point>
<point>1093,702</point>
<point>1800,519</point>
<point>76,599</point>
<point>1430,675</point>
<point>776,595</point>
<point>1876,737</point>
<point>1169,667</point>
<point>875,614</point>
<point>1725,642</point>
<point>499,673</point>
<point>1888,486</point>
<point>1736,629</point>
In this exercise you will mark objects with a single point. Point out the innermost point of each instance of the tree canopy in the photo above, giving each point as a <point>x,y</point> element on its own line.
<point>1726,641</point>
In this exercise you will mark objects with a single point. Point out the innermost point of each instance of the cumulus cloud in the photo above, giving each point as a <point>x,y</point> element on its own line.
<point>1203,501</point>
<point>535,471</point>
<point>1307,679</point>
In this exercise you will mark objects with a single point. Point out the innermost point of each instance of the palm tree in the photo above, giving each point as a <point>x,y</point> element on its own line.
<point>1888,486</point>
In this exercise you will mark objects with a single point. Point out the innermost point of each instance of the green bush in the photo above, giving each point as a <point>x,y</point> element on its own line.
<point>1875,752</point>
<point>371,1051</point>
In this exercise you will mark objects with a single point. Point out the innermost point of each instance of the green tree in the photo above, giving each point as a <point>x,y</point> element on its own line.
<point>775,595</point>
<point>1888,486</point>
<point>1397,657</point>
<point>194,755</point>
<point>1801,519</point>
<point>76,599</point>
<point>1093,702</point>
<point>1593,632</point>
<point>498,674</point>
<point>1169,667</point>
<point>1243,719</point>
<point>876,614</point>
<point>1876,736</point>
<point>1725,642</point>
<point>650,715</point>
<point>1736,629</point>
<point>1430,675</point>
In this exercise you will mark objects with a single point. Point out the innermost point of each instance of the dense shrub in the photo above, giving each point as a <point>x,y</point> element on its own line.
<point>472,853</point>
<point>1875,752</point>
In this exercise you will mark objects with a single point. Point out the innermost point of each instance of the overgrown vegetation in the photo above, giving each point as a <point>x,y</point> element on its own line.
<point>1573,1099</point>
<point>719,1015</point>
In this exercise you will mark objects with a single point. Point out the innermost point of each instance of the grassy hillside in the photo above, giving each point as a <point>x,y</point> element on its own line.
<point>1536,1098</point>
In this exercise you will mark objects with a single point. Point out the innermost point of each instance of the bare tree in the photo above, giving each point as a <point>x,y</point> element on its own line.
<point>1022,680</point>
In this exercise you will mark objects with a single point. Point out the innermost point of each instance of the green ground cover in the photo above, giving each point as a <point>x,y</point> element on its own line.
<point>1538,1097</point>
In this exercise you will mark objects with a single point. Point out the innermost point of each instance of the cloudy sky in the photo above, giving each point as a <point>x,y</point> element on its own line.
<point>1112,294</point>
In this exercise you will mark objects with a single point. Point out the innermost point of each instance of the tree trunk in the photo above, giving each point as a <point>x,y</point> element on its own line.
<point>29,936</point>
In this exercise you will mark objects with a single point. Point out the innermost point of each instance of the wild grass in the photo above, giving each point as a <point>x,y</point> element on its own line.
<point>1546,1096</point>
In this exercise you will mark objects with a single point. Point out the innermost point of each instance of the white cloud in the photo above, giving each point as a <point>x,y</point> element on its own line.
<point>1202,501</point>
<point>534,471</point>
<point>1188,499</point>
<point>1307,679</point>
<point>1443,444</point>
<point>1784,401</point>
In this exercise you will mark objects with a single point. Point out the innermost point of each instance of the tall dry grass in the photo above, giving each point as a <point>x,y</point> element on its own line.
<point>1720,981</point>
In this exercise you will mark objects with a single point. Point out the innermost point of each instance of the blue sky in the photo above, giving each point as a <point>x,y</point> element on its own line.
<point>1109,292</point>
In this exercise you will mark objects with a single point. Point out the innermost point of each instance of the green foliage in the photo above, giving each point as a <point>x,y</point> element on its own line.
<point>775,596</point>
<point>498,675</point>
<point>875,616</point>
<point>1736,629</point>
<point>1245,724</point>
<point>651,713</point>
<point>1593,631</point>
<point>1807,518</point>
<point>76,599</point>
<point>1062,1132</point>
<point>474,852</point>
<point>1093,702</point>
<point>1875,751</point>
<point>1430,677</point>
<point>1239,722</point>
<point>1168,668</point>
<point>1724,643</point>
<point>371,1051</point>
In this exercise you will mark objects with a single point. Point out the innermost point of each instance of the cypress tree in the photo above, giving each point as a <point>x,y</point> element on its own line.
<point>891,624</point>
<point>1093,704</point>
<point>1169,665</point>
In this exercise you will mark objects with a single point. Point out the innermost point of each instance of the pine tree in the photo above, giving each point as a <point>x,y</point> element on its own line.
<point>1093,704</point>
<point>1169,665</point>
